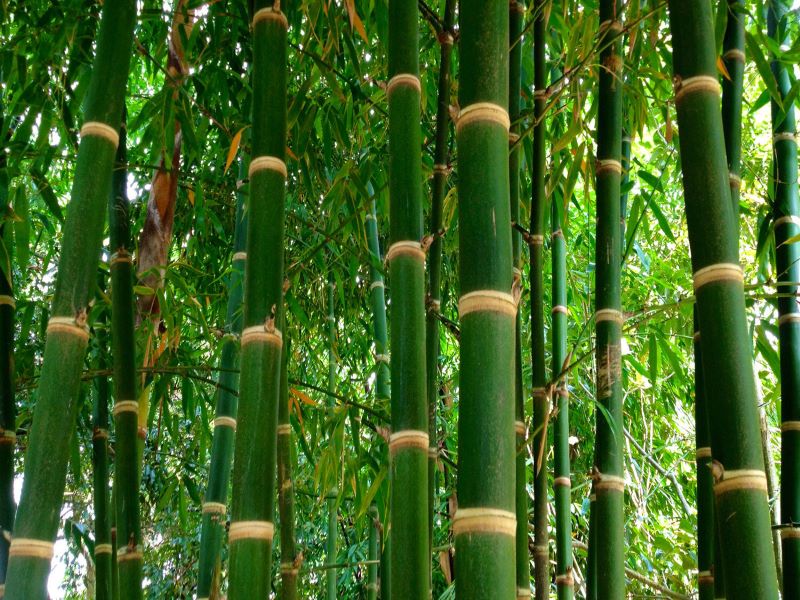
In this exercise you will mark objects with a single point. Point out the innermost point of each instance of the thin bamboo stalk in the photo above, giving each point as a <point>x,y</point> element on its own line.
<point>372,553</point>
<point>786,215</point>
<point>254,464</point>
<point>609,483</point>
<point>8,418</point>
<point>330,499</point>
<point>290,558</point>
<point>740,482</point>
<point>212,531</point>
<point>100,490</point>
<point>65,348</point>
<point>733,58</point>
<point>409,441</point>
<point>485,521</point>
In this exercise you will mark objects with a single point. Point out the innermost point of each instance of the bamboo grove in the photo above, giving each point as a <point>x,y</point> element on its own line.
<point>395,299</point>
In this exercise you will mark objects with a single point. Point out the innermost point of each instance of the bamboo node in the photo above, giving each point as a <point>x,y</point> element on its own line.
<point>790,532</point>
<point>541,94</point>
<point>484,520</point>
<point>535,239</point>
<point>483,112</point>
<point>696,336</point>
<point>31,548</point>
<point>441,170</point>
<point>705,577</point>
<point>376,284</point>
<point>382,358</point>
<point>409,438</point>
<point>127,553</point>
<point>539,392</point>
<point>513,138</point>
<point>68,325</point>
<point>788,318</point>
<point>272,163</point>
<point>523,593</point>
<point>734,54</point>
<point>102,549</point>
<point>403,79</point>
<point>123,406</point>
<point>214,508</point>
<point>541,550</point>
<point>98,129</point>
<point>225,421</point>
<point>790,426</point>
<point>717,272</point>
<point>433,452</point>
<point>557,234</point>
<point>270,14</point>
<point>607,164</point>
<point>487,301</point>
<point>611,25</point>
<point>609,314</point>
<point>565,580</point>
<point>8,436</point>
<point>284,429</point>
<point>559,308</point>
<point>742,479</point>
<point>259,333</point>
<point>734,181</point>
<point>8,300</point>
<point>562,481</point>
<point>519,427</point>
<point>698,83</point>
<point>445,38</point>
<point>289,569</point>
<point>703,452</point>
<point>786,136</point>
<point>606,482</point>
<point>239,256</point>
<point>405,248</point>
<point>786,220</point>
<point>251,530</point>
<point>516,7</point>
<point>97,434</point>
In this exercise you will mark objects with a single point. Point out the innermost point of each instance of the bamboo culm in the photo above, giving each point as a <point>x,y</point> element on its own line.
<point>254,464</point>
<point>786,211</point>
<point>608,475</point>
<point>733,58</point>
<point>485,521</point>
<point>290,558</point>
<point>409,441</point>
<point>212,531</point>
<point>65,348</point>
<point>8,418</point>
<point>740,482</point>
<point>330,500</point>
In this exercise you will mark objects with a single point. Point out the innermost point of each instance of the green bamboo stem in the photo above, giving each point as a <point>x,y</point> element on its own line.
<point>608,463</point>
<point>409,441</point>
<point>126,410</point>
<point>290,558</point>
<point>786,209</point>
<point>330,499</point>
<point>740,482</point>
<point>212,531</point>
<point>541,408</point>
<point>626,176</point>
<point>733,58</point>
<point>254,465</point>
<point>523,569</point>
<point>485,522</point>
<point>562,482</point>
<point>438,189</point>
<point>372,553</point>
<point>8,418</point>
<point>54,415</point>
<point>382,387</point>
<point>100,489</point>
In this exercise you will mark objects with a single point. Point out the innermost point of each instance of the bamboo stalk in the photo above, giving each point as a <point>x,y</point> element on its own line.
<point>8,418</point>
<point>409,441</point>
<point>330,498</point>
<point>485,521</point>
<point>290,558</point>
<point>372,553</point>
<point>65,348</point>
<point>786,211</point>
<point>212,531</point>
<point>740,483</point>
<point>733,58</point>
<point>254,467</point>
<point>608,476</point>
<point>100,491</point>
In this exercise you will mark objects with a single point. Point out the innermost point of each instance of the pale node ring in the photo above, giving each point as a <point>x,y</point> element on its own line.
<point>97,434</point>
<point>225,421</point>
<point>240,256</point>
<point>484,520</point>
<point>120,256</point>
<point>609,314</point>
<point>127,553</point>
<point>124,406</point>
<point>703,452</point>
<point>718,272</point>
<point>562,481</point>
<point>487,301</point>
<point>8,300</point>
<point>565,580</point>
<point>272,163</point>
<point>269,14</point>
<point>742,479</point>
<point>403,79</point>
<point>409,438</point>
<point>258,333</point>
<point>384,358</point>
<point>67,325</point>
<point>611,24</point>
<point>251,530</point>
<point>519,427</point>
<point>734,54</point>
<point>441,169</point>
<point>790,426</point>
<point>376,284</point>
<point>786,220</point>
<point>523,593</point>
<point>609,482</point>
<point>31,548</point>
<point>734,181</point>
<point>541,94</point>
<point>536,239</point>
<point>786,136</point>
<point>284,429</point>
<point>406,248</point>
<point>216,508</point>
<point>788,318</point>
<point>560,308</point>
<point>102,549</point>
<point>791,532</point>
<point>607,164</point>
<point>98,129</point>
<point>699,83</point>
<point>483,112</point>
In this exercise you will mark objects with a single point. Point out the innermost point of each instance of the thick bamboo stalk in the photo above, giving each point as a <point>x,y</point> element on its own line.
<point>485,522</point>
<point>126,409</point>
<point>290,558</point>
<point>8,418</point>
<point>786,214</point>
<point>523,568</point>
<point>215,511</point>
<point>254,465</point>
<point>562,482</point>
<point>330,498</point>
<point>100,489</point>
<point>541,408</point>
<point>740,482</point>
<point>54,416</point>
<point>409,441</point>
<point>609,482</point>
<point>438,190</point>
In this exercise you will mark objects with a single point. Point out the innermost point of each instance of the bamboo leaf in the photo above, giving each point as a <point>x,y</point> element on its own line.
<point>754,50</point>
<point>237,138</point>
<point>22,228</point>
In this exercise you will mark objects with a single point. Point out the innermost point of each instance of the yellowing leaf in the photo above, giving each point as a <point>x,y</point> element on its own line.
<point>722,68</point>
<point>191,196</point>
<point>301,396</point>
<point>355,20</point>
<point>291,154</point>
<point>233,149</point>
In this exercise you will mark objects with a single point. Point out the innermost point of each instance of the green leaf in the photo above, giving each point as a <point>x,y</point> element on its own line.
<point>22,227</point>
<point>754,51</point>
